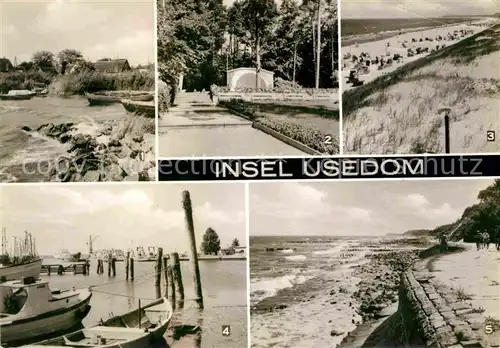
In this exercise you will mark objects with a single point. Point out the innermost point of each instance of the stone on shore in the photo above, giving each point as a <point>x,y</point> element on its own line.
<point>113,151</point>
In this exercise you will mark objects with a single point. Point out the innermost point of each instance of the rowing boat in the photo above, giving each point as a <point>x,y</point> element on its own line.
<point>142,108</point>
<point>136,329</point>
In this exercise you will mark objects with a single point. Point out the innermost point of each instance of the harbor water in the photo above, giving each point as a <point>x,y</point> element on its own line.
<point>224,292</point>
<point>21,151</point>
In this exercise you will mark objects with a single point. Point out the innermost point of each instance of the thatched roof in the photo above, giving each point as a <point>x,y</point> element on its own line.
<point>112,66</point>
<point>5,65</point>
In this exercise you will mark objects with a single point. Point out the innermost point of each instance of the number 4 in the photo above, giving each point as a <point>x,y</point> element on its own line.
<point>226,330</point>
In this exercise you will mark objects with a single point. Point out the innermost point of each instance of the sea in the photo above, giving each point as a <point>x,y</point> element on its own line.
<point>224,285</point>
<point>367,29</point>
<point>290,289</point>
<point>25,157</point>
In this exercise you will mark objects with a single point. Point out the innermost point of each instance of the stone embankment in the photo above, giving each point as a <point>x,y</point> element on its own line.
<point>438,315</point>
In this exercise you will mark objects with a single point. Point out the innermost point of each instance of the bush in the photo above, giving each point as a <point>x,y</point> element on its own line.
<point>281,87</point>
<point>23,80</point>
<point>93,81</point>
<point>164,97</point>
<point>310,137</point>
<point>241,107</point>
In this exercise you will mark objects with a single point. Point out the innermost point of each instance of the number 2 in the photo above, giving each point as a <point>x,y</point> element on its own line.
<point>328,140</point>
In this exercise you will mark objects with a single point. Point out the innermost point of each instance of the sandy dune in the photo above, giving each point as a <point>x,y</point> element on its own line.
<point>400,114</point>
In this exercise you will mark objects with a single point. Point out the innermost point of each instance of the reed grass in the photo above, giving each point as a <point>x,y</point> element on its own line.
<point>23,80</point>
<point>93,81</point>
<point>74,84</point>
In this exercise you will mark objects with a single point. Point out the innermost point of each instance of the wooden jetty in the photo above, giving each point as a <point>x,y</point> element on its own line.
<point>67,268</point>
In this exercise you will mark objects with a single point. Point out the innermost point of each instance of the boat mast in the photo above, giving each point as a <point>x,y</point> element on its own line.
<point>4,242</point>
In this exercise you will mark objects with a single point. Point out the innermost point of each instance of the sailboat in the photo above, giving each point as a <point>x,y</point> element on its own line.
<point>23,262</point>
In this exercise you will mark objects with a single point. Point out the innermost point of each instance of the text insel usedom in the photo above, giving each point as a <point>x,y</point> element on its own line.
<point>261,168</point>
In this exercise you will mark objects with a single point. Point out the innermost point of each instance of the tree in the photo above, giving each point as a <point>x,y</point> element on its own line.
<point>45,61</point>
<point>259,18</point>
<point>211,242</point>
<point>235,243</point>
<point>25,66</point>
<point>68,57</point>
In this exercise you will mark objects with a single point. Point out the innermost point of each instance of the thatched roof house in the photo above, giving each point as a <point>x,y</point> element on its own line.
<point>6,65</point>
<point>112,65</point>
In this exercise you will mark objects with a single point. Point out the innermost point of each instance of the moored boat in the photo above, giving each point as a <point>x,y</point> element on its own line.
<point>101,99</point>
<point>16,271</point>
<point>30,310</point>
<point>17,95</point>
<point>142,108</point>
<point>136,329</point>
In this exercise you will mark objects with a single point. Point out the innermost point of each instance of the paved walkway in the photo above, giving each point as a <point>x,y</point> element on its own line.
<point>195,127</point>
<point>475,272</point>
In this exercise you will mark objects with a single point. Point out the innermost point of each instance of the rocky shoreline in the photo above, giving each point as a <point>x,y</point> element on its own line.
<point>110,151</point>
<point>379,286</point>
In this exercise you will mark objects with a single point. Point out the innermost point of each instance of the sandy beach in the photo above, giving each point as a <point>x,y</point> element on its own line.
<point>401,44</point>
<point>398,109</point>
<point>339,282</point>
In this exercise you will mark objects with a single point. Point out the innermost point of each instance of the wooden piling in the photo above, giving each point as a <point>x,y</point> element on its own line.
<point>132,269</point>
<point>48,270</point>
<point>158,291</point>
<point>109,265</point>
<point>165,274</point>
<point>158,267</point>
<point>188,215</point>
<point>113,266</point>
<point>127,265</point>
<point>177,277</point>
<point>139,312</point>
<point>170,283</point>
<point>447,133</point>
<point>98,270</point>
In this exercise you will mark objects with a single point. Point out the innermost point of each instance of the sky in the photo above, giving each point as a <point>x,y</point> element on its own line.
<point>358,208</point>
<point>98,29</point>
<point>124,215</point>
<point>411,8</point>
<point>416,9</point>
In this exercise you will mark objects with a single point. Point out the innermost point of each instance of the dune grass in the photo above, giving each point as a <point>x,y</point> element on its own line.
<point>398,112</point>
<point>462,52</point>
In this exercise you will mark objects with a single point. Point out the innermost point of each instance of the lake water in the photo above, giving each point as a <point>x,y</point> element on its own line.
<point>224,292</point>
<point>21,150</point>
